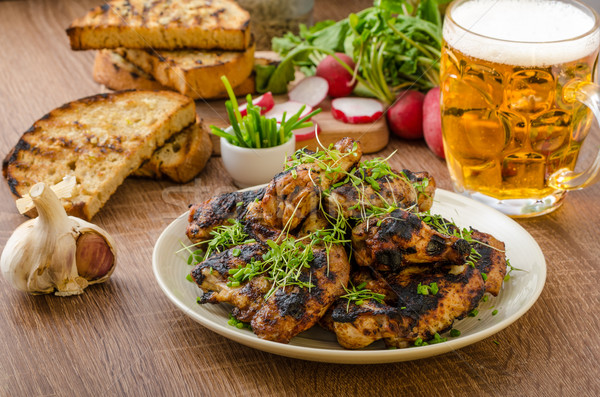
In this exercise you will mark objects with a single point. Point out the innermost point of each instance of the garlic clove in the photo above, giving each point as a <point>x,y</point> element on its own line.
<point>94,256</point>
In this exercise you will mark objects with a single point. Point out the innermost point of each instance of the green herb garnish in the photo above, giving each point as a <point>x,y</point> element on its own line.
<point>426,289</point>
<point>359,294</point>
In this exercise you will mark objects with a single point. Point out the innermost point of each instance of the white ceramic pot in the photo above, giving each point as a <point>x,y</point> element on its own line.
<point>250,167</point>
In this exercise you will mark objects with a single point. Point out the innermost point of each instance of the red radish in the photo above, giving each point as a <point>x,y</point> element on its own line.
<point>265,101</point>
<point>356,110</point>
<point>303,134</point>
<point>405,116</point>
<point>432,122</point>
<point>340,80</point>
<point>311,91</point>
<point>290,108</point>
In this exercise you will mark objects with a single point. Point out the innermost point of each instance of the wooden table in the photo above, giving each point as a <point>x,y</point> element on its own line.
<point>126,337</point>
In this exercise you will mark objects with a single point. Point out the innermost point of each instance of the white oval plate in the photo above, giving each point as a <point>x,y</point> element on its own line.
<point>515,298</point>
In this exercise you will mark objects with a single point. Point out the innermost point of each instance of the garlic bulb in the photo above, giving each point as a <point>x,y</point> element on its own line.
<point>56,252</point>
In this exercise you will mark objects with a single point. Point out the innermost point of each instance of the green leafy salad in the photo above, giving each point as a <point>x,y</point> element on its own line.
<point>395,44</point>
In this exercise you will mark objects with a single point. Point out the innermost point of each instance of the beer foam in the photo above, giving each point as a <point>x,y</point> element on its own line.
<point>535,31</point>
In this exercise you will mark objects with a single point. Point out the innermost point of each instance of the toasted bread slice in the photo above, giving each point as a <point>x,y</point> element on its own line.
<point>116,73</point>
<point>100,140</point>
<point>163,24</point>
<point>181,158</point>
<point>196,74</point>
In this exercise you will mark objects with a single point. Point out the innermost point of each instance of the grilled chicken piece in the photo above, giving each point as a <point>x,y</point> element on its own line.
<point>492,261</point>
<point>292,310</point>
<point>212,276</point>
<point>289,310</point>
<point>354,200</point>
<point>294,194</point>
<point>400,238</point>
<point>405,315</point>
<point>204,217</point>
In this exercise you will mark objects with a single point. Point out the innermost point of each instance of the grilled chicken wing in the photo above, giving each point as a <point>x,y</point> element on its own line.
<point>292,310</point>
<point>354,199</point>
<point>204,217</point>
<point>294,194</point>
<point>287,312</point>
<point>406,314</point>
<point>400,238</point>
<point>212,277</point>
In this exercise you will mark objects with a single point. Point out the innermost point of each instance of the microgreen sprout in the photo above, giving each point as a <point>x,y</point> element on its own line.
<point>359,294</point>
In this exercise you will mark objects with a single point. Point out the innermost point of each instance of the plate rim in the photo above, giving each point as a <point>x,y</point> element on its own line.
<point>360,356</point>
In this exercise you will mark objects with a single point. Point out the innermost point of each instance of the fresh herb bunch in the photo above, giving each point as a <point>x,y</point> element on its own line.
<point>395,44</point>
<point>254,130</point>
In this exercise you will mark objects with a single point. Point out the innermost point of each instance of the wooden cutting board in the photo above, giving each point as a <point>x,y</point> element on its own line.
<point>373,136</point>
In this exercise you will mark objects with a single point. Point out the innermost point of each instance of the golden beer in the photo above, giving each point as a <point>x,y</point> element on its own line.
<point>506,124</point>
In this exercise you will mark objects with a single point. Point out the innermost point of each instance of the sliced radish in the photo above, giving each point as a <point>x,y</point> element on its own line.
<point>290,108</point>
<point>311,91</point>
<point>356,110</point>
<point>265,102</point>
<point>303,134</point>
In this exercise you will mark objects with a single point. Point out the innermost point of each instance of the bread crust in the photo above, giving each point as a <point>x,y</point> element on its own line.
<point>100,140</point>
<point>196,74</point>
<point>111,70</point>
<point>182,157</point>
<point>117,73</point>
<point>162,24</point>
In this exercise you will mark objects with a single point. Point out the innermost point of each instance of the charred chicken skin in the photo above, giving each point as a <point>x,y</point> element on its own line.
<point>294,194</point>
<point>204,217</point>
<point>406,314</point>
<point>407,190</point>
<point>401,238</point>
<point>290,309</point>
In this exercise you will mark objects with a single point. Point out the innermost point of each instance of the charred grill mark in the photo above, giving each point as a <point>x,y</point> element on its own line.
<point>291,303</point>
<point>223,261</point>
<point>400,223</point>
<point>462,247</point>
<point>436,246</point>
<point>342,313</point>
<point>320,260</point>
<point>391,258</point>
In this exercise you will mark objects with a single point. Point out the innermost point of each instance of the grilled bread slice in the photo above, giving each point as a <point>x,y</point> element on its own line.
<point>118,74</point>
<point>100,140</point>
<point>163,24</point>
<point>196,74</point>
<point>181,158</point>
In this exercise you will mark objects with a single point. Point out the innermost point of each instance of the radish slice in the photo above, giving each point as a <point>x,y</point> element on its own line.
<point>311,91</point>
<point>356,110</point>
<point>289,107</point>
<point>265,101</point>
<point>303,134</point>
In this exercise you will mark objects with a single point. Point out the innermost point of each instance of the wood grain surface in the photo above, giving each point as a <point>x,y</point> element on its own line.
<point>125,337</point>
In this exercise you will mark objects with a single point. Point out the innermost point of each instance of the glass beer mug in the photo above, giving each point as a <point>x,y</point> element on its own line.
<point>516,94</point>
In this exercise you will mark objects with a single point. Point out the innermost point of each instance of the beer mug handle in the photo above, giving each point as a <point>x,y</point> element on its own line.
<point>565,179</point>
